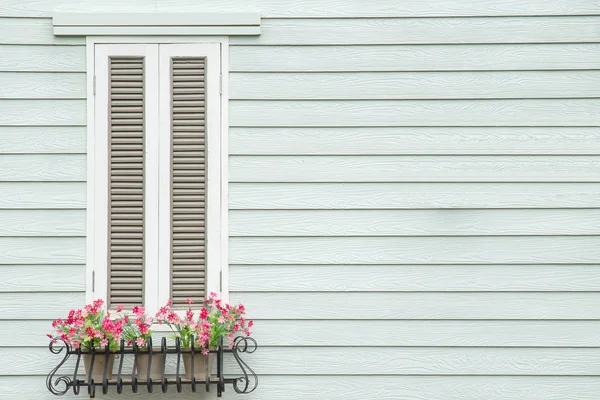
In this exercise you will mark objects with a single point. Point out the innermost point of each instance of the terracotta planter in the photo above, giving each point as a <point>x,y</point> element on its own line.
<point>156,367</point>
<point>199,365</point>
<point>100,361</point>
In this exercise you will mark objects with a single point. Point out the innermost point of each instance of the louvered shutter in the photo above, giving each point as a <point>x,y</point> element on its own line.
<point>126,181</point>
<point>188,177</point>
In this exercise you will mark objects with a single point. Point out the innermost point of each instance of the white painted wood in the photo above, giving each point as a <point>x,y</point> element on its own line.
<point>333,196</point>
<point>374,361</point>
<point>32,31</point>
<point>400,278</point>
<point>43,139</point>
<point>420,306</point>
<point>45,195</point>
<point>414,140</point>
<point>426,333</point>
<point>42,250</point>
<point>413,58</point>
<point>553,112</point>
<point>415,85</point>
<point>63,31</point>
<point>21,58</point>
<point>273,387</point>
<point>386,8</point>
<point>42,167</point>
<point>408,333</point>
<point>224,221</point>
<point>414,169</point>
<point>357,31</point>
<point>38,305</point>
<point>47,8</point>
<point>19,85</point>
<point>90,243</point>
<point>295,223</point>
<point>40,278</point>
<point>42,112</point>
<point>42,223</point>
<point>83,19</point>
<point>415,250</point>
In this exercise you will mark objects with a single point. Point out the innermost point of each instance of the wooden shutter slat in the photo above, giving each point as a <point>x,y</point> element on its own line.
<point>188,176</point>
<point>126,174</point>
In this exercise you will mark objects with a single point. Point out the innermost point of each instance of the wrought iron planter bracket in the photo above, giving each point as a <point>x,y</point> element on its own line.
<point>59,384</point>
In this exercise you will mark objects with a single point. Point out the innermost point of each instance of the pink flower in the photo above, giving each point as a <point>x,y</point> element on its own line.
<point>189,314</point>
<point>189,301</point>
<point>104,342</point>
<point>205,351</point>
<point>203,314</point>
<point>139,311</point>
<point>169,303</point>
<point>149,321</point>
<point>140,341</point>
<point>221,319</point>
<point>50,336</point>
<point>247,332</point>
<point>250,324</point>
<point>143,329</point>
<point>76,344</point>
<point>119,308</point>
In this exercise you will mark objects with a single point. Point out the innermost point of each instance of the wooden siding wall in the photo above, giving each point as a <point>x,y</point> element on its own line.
<point>414,195</point>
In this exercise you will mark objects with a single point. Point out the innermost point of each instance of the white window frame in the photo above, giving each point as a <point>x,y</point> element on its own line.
<point>97,168</point>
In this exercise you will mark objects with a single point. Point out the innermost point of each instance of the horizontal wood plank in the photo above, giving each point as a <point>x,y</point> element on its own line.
<point>43,139</point>
<point>42,167</point>
<point>408,333</point>
<point>413,85</point>
<point>354,388</point>
<point>414,169</point>
<point>358,31</point>
<point>42,222</point>
<point>386,8</point>
<point>413,140</point>
<point>420,306</point>
<point>47,8</point>
<point>42,250</point>
<point>47,195</point>
<point>23,58</point>
<point>415,250</point>
<point>413,222</point>
<point>373,361</point>
<point>42,85</point>
<point>41,278</point>
<point>42,112</point>
<point>33,31</point>
<point>36,305</point>
<point>413,58</point>
<point>338,113</point>
<point>399,278</point>
<point>343,196</point>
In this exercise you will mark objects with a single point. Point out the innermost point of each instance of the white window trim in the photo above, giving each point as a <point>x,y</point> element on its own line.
<point>96,283</point>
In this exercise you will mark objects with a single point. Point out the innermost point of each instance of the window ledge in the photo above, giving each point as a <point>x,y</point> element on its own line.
<point>180,24</point>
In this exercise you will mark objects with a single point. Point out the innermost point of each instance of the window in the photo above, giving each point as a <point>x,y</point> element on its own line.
<point>156,227</point>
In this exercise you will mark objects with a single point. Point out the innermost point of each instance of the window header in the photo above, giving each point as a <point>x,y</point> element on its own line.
<point>128,24</point>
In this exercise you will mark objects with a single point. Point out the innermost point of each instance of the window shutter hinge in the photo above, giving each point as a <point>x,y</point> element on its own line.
<point>94,85</point>
<point>93,281</point>
<point>220,84</point>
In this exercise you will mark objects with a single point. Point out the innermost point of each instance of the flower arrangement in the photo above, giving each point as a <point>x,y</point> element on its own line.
<point>138,327</point>
<point>90,327</point>
<point>95,327</point>
<point>215,320</point>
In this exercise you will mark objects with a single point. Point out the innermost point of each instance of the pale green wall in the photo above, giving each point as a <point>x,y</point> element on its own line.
<point>415,202</point>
